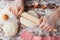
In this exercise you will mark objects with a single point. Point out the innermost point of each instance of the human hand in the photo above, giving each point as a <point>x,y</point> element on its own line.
<point>47,23</point>
<point>17,7</point>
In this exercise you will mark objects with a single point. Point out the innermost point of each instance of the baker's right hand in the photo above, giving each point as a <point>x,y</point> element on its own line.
<point>47,23</point>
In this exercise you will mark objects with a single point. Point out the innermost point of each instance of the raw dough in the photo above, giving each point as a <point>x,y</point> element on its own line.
<point>33,13</point>
<point>10,28</point>
<point>27,22</point>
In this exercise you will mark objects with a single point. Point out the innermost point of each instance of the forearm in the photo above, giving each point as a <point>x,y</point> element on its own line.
<point>56,14</point>
<point>19,2</point>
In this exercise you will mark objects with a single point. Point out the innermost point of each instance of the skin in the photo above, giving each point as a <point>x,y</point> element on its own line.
<point>47,23</point>
<point>17,8</point>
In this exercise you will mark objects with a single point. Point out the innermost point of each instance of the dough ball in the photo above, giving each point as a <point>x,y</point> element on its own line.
<point>10,28</point>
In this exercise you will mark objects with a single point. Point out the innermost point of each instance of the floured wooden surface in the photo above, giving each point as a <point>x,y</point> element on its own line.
<point>36,30</point>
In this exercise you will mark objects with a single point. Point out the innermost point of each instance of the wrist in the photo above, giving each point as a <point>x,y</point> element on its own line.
<point>55,17</point>
<point>57,12</point>
<point>18,3</point>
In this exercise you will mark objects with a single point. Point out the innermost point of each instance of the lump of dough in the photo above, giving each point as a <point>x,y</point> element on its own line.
<point>33,13</point>
<point>27,22</point>
<point>10,28</point>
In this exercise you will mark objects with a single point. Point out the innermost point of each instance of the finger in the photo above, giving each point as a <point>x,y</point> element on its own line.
<point>44,18</point>
<point>16,12</point>
<point>40,20</point>
<point>50,29</point>
<point>21,10</point>
<point>46,26</point>
<point>41,25</point>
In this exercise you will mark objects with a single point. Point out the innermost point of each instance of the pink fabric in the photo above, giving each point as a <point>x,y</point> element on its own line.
<point>37,38</point>
<point>58,38</point>
<point>53,38</point>
<point>47,38</point>
<point>26,36</point>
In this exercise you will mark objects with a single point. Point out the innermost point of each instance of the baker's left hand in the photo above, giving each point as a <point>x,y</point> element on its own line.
<point>17,7</point>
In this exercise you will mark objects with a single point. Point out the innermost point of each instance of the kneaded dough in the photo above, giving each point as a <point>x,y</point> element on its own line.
<point>33,13</point>
<point>10,28</point>
<point>27,22</point>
